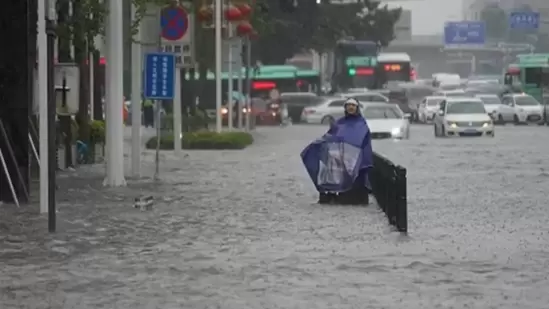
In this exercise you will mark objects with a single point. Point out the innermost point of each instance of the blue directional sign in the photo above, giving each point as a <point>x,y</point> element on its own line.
<point>524,20</point>
<point>465,33</point>
<point>159,76</point>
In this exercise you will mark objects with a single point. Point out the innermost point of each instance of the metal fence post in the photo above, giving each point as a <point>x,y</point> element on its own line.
<point>402,201</point>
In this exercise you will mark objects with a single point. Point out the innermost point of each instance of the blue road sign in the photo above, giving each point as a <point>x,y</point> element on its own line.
<point>524,20</point>
<point>465,33</point>
<point>159,76</point>
<point>174,22</point>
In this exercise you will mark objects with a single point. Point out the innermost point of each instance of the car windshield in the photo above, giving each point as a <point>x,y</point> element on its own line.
<point>465,108</point>
<point>433,102</point>
<point>490,100</point>
<point>455,94</point>
<point>381,112</point>
<point>526,101</point>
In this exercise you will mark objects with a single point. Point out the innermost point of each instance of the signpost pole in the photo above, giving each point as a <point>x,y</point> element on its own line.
<point>177,113</point>
<point>159,85</point>
<point>137,60</point>
<point>240,84</point>
<point>115,97</point>
<point>218,88</point>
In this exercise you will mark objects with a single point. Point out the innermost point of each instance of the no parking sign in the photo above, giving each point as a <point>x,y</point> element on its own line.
<point>177,34</point>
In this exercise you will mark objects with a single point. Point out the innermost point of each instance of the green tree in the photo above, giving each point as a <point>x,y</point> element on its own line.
<point>496,21</point>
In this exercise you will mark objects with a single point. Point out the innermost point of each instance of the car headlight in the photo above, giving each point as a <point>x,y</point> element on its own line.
<point>521,110</point>
<point>396,131</point>
<point>486,124</point>
<point>452,125</point>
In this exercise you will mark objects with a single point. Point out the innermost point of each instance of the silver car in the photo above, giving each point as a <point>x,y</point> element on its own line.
<point>366,97</point>
<point>520,108</point>
<point>428,108</point>
<point>492,104</point>
<point>327,111</point>
<point>386,120</point>
<point>462,117</point>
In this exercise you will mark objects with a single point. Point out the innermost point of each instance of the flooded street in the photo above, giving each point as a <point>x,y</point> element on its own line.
<point>242,230</point>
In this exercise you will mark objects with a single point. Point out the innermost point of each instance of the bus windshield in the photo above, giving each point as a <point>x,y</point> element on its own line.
<point>395,71</point>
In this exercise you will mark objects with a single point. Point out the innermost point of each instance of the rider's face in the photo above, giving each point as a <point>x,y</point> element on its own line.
<point>350,108</point>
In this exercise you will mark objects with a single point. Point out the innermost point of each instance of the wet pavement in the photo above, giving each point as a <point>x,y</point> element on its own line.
<point>240,229</point>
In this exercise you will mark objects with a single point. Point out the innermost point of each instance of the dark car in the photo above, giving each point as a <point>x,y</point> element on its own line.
<point>414,94</point>
<point>295,102</point>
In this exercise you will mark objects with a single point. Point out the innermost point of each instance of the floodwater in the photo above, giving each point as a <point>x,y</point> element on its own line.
<point>240,229</point>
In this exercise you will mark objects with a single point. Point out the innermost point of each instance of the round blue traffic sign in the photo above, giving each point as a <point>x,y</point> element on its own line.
<point>174,23</point>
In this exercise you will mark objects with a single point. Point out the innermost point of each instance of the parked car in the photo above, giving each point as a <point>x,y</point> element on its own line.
<point>366,97</point>
<point>327,111</point>
<point>451,93</point>
<point>462,117</point>
<point>492,104</point>
<point>297,101</point>
<point>428,108</point>
<point>386,121</point>
<point>520,108</point>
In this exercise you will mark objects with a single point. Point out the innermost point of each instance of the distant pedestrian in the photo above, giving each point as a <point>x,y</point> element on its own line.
<point>148,113</point>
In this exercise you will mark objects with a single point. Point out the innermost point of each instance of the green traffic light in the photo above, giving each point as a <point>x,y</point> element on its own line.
<point>352,71</point>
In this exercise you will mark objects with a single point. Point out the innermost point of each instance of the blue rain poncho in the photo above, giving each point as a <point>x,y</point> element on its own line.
<point>341,158</point>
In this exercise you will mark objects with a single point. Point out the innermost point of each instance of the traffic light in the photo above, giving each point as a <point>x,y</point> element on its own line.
<point>352,71</point>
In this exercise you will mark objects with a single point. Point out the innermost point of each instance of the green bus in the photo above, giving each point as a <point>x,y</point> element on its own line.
<point>354,65</point>
<point>531,73</point>
<point>284,78</point>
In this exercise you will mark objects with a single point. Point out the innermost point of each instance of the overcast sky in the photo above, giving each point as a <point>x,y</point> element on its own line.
<point>428,16</point>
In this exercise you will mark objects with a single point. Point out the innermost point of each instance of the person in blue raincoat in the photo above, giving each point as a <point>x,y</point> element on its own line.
<point>352,130</point>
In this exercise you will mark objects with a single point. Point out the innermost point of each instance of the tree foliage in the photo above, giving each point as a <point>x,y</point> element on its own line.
<point>319,27</point>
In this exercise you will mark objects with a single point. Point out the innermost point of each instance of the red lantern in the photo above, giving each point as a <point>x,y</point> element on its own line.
<point>245,10</point>
<point>205,14</point>
<point>232,13</point>
<point>244,28</point>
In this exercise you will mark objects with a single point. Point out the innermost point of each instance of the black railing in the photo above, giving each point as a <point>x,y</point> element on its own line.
<point>389,183</point>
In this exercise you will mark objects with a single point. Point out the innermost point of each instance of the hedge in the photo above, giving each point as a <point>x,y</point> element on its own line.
<point>189,123</point>
<point>205,140</point>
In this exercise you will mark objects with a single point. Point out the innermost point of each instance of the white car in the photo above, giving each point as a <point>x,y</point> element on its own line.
<point>428,108</point>
<point>386,120</point>
<point>366,97</point>
<point>462,117</point>
<point>326,112</point>
<point>492,104</point>
<point>451,93</point>
<point>520,108</point>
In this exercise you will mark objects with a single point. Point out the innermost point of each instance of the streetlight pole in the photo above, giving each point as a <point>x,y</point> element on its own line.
<point>218,89</point>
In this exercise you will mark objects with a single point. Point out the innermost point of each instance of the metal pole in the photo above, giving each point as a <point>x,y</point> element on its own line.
<point>248,81</point>
<point>91,67</point>
<point>177,113</point>
<point>240,85</point>
<point>8,177</point>
<point>43,104</point>
<point>67,124</point>
<point>137,74</point>
<point>115,96</point>
<point>51,153</point>
<point>157,153</point>
<point>218,88</point>
<point>230,73</point>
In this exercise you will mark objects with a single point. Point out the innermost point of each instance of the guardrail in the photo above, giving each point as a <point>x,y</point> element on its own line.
<point>389,183</point>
